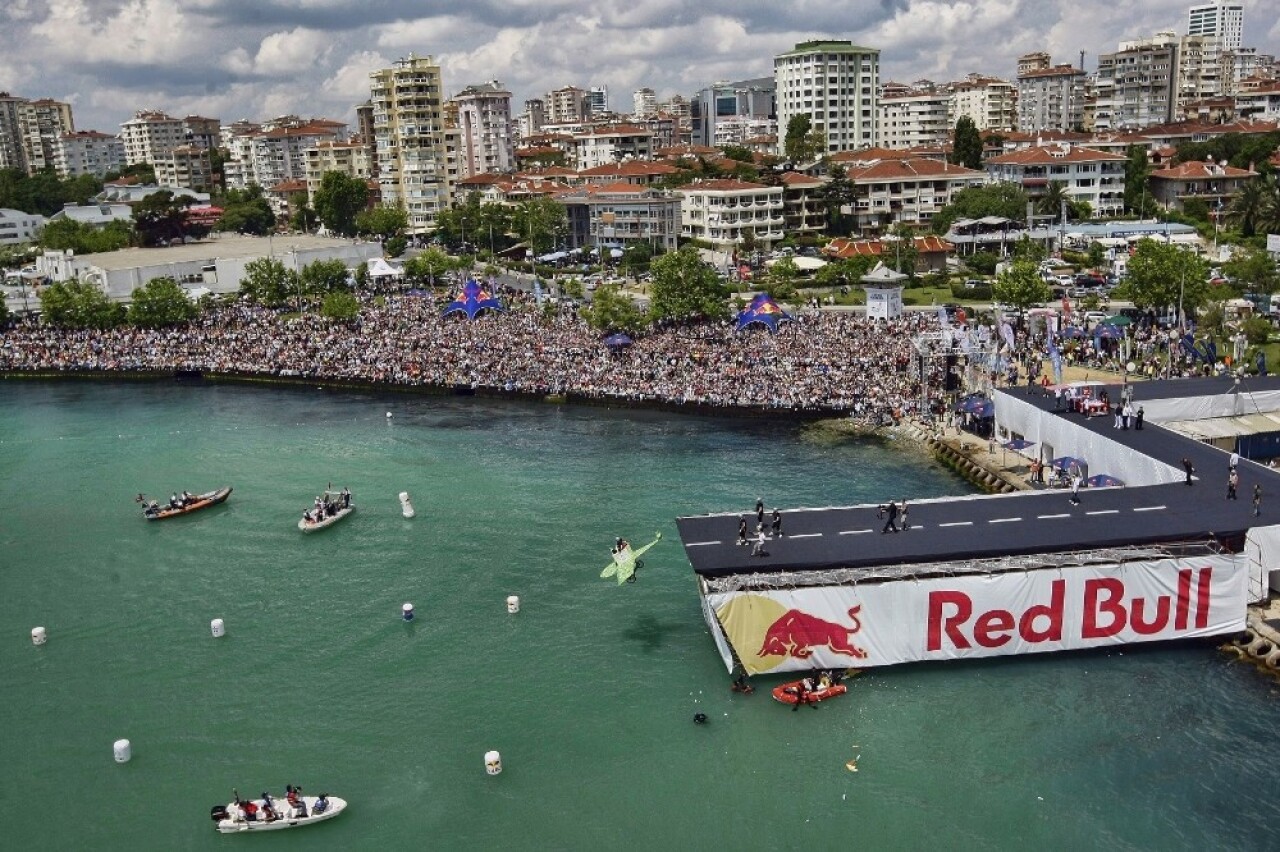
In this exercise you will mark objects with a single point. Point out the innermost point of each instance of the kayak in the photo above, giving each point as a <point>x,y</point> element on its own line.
<point>200,501</point>
<point>232,817</point>
<point>789,693</point>
<point>329,520</point>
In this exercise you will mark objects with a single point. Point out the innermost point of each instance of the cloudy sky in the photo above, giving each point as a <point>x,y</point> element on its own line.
<point>255,59</point>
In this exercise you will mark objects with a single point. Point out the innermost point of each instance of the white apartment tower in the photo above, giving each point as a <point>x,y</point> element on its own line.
<point>484,121</point>
<point>912,116</point>
<point>87,152</point>
<point>644,103</point>
<point>150,135</point>
<point>43,122</point>
<point>991,103</point>
<point>568,105</point>
<point>1050,97</point>
<point>1221,20</point>
<point>1137,85</point>
<point>12,152</point>
<point>409,133</point>
<point>835,84</point>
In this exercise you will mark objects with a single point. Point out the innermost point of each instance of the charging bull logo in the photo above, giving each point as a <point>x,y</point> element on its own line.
<point>796,633</point>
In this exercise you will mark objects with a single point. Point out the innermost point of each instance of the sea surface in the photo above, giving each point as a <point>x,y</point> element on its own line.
<point>588,692</point>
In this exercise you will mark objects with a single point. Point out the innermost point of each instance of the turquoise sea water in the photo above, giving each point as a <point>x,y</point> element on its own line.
<point>588,692</point>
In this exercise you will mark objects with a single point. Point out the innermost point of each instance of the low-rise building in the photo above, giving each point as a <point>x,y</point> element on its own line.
<point>620,215</point>
<point>1096,177</point>
<point>95,215</point>
<point>726,212</point>
<point>19,227</point>
<point>598,146</point>
<point>931,252</point>
<point>186,165</point>
<point>908,191</point>
<point>1260,103</point>
<point>803,205</point>
<point>351,159</point>
<point>1195,180</point>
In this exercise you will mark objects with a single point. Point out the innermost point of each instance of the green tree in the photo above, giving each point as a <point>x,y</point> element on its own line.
<point>324,276</point>
<point>741,153</point>
<point>1025,248</point>
<point>611,310</point>
<point>996,199</point>
<point>837,194</point>
<point>304,219</point>
<point>901,254</point>
<point>543,221</point>
<point>79,304</point>
<point>1055,196</point>
<point>161,219</point>
<point>428,267</point>
<point>1162,276</point>
<point>966,144</point>
<point>160,302</point>
<point>340,305</point>
<point>793,145</point>
<point>382,222</point>
<point>395,246</point>
<point>1097,255</point>
<point>780,281</point>
<point>339,200</point>
<point>1020,286</point>
<point>268,282</point>
<point>983,262</point>
<point>246,211</point>
<point>1248,207</point>
<point>1137,169</point>
<point>685,288</point>
<point>1253,271</point>
<point>61,234</point>
<point>144,172</point>
<point>845,272</point>
<point>4,313</point>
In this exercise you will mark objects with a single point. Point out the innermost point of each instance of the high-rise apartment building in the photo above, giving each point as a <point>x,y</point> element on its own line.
<point>484,122</point>
<point>1050,97</point>
<point>1241,64</point>
<point>409,130</point>
<point>597,100</point>
<point>991,103</point>
<point>202,132</point>
<point>909,116</point>
<point>1221,20</point>
<point>87,152</point>
<point>566,106</point>
<point>746,99</point>
<point>150,135</point>
<point>42,123</point>
<point>644,103</point>
<point>835,84</point>
<point>1137,85</point>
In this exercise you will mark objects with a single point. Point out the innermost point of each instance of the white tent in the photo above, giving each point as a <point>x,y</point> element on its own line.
<point>379,268</point>
<point>804,264</point>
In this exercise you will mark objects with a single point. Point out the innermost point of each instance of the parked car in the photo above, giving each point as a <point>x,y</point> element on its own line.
<point>974,283</point>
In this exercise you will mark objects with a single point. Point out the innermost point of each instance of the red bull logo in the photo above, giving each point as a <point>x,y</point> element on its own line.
<point>796,633</point>
<point>767,308</point>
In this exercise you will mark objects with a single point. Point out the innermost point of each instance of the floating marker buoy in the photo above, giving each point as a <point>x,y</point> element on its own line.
<point>217,627</point>
<point>38,636</point>
<point>123,751</point>
<point>407,611</point>
<point>492,762</point>
<point>388,415</point>
<point>513,603</point>
<point>406,508</point>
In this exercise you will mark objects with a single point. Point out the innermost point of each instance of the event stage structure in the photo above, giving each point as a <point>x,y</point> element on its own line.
<point>1012,573</point>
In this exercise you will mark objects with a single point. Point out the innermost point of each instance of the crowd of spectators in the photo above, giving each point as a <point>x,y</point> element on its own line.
<point>832,361</point>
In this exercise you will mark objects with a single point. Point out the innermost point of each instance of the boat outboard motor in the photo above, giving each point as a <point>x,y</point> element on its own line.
<point>218,813</point>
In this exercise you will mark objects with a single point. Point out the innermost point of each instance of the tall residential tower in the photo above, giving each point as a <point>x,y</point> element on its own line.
<point>835,84</point>
<point>409,133</point>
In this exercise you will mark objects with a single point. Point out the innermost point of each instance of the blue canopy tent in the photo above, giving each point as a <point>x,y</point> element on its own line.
<point>765,311</point>
<point>472,300</point>
<point>1072,333</point>
<point>1102,480</point>
<point>618,341</point>
<point>1018,444</point>
<point>1108,332</point>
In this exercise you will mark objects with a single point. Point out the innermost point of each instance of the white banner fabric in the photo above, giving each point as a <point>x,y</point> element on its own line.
<point>882,624</point>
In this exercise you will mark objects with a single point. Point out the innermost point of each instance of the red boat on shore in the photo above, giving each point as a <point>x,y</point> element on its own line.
<point>155,511</point>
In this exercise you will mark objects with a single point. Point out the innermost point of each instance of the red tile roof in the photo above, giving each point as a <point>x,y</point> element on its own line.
<point>795,179</point>
<point>1193,169</point>
<point>290,186</point>
<point>721,185</point>
<point>631,168</point>
<point>910,170</point>
<point>844,247</point>
<point>1047,155</point>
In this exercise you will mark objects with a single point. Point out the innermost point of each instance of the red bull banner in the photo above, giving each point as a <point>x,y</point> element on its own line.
<point>985,615</point>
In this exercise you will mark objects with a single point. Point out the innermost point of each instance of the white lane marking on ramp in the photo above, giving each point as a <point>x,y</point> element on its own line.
<point>702,543</point>
<point>805,535</point>
<point>854,532</point>
<point>1003,520</point>
<point>958,524</point>
<point>1104,512</point>
<point>1050,517</point>
<point>1148,508</point>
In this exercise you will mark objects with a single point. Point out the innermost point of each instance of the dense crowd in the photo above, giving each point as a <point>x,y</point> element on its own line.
<point>831,361</point>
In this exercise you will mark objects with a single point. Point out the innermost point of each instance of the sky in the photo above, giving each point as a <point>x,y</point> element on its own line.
<point>256,59</point>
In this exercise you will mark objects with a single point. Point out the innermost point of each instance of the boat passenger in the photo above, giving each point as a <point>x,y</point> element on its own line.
<point>250,811</point>
<point>269,812</point>
<point>346,497</point>
<point>174,502</point>
<point>321,805</point>
<point>187,497</point>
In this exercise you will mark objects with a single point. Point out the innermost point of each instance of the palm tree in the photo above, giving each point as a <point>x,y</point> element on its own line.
<point>1248,206</point>
<point>1054,195</point>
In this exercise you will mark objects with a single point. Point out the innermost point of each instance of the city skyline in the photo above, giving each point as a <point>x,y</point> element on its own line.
<point>313,57</point>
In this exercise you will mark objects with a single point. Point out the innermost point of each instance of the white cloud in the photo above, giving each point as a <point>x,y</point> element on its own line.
<point>291,53</point>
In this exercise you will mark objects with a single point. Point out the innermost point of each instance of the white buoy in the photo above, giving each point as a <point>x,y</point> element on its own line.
<point>123,751</point>
<point>218,628</point>
<point>492,762</point>
<point>406,508</point>
<point>38,636</point>
<point>388,415</point>
<point>513,603</point>
<point>407,610</point>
